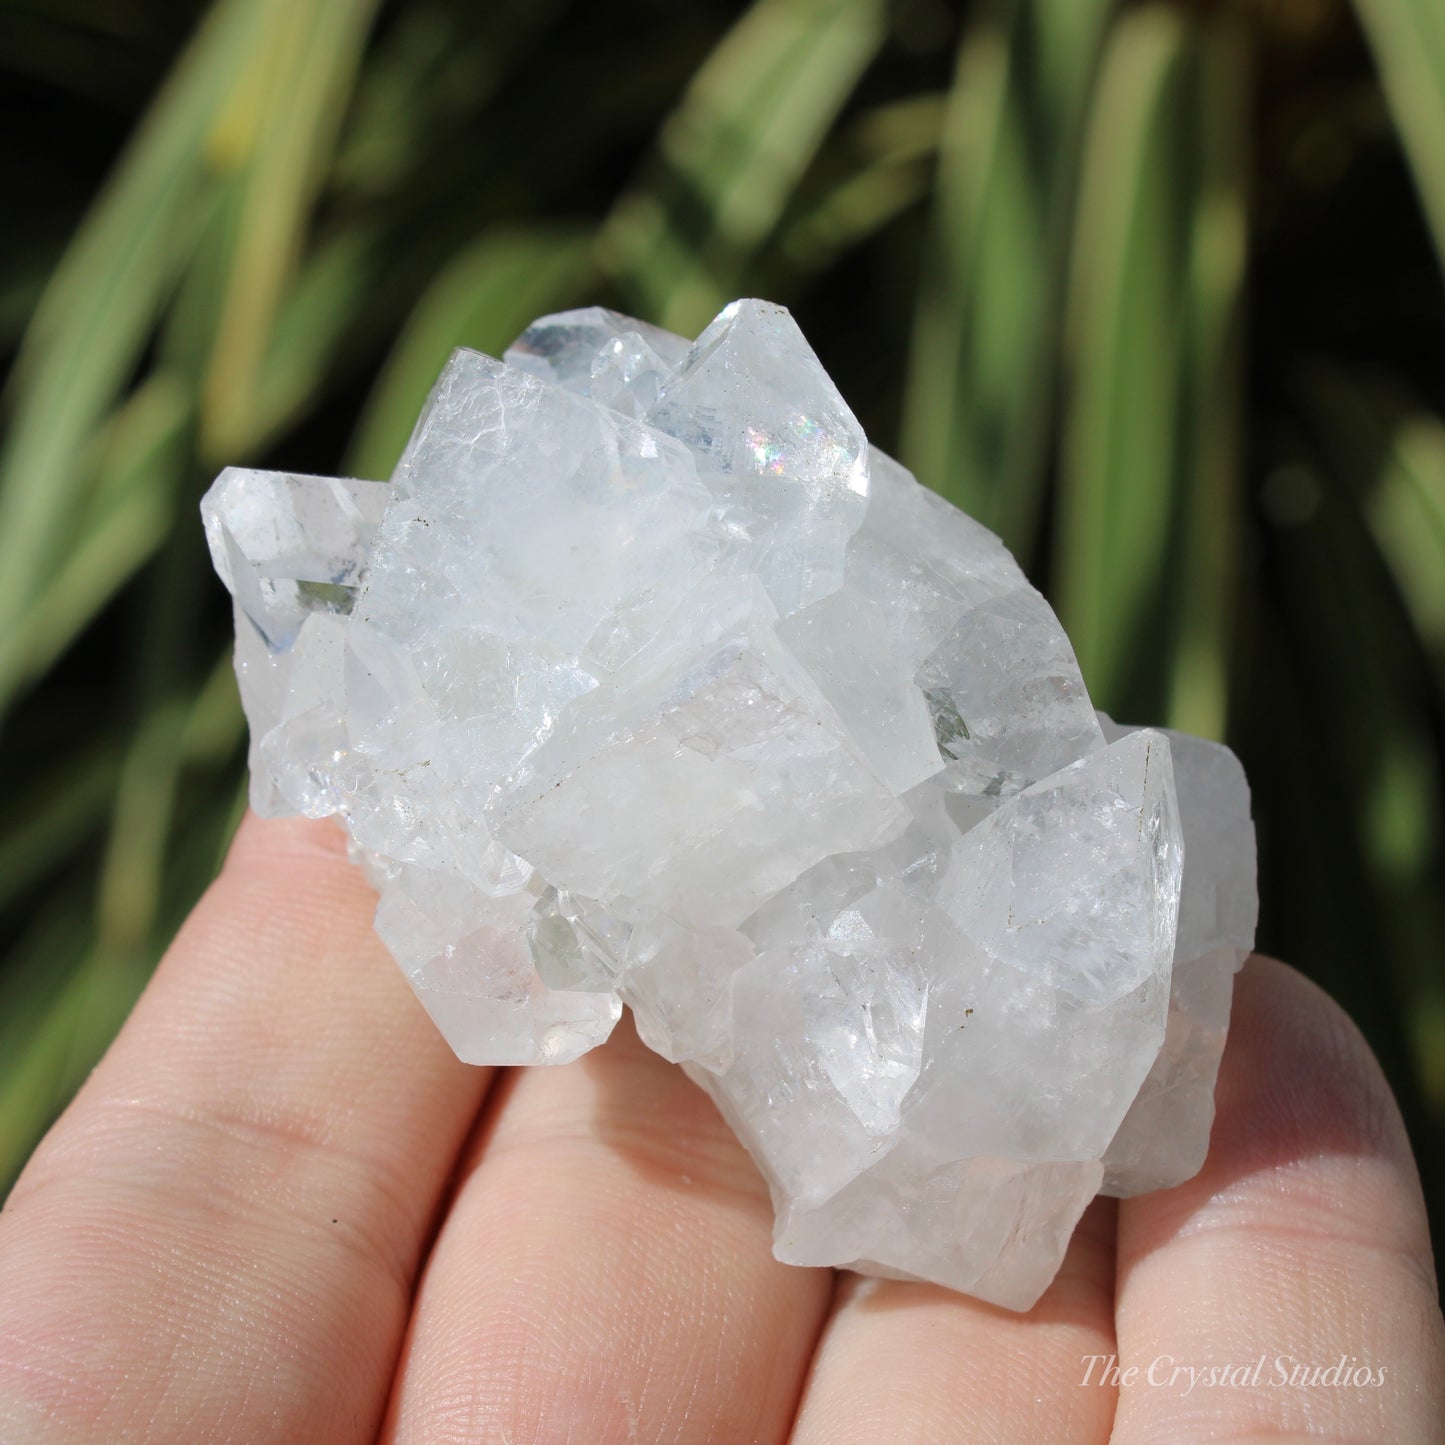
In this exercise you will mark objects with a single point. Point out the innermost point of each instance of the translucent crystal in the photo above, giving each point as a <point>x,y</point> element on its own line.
<point>647,681</point>
<point>293,552</point>
<point>776,444</point>
<point>736,774</point>
<point>1163,1138</point>
<point>599,353</point>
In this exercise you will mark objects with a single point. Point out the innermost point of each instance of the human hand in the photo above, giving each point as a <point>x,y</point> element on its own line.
<point>281,1210</point>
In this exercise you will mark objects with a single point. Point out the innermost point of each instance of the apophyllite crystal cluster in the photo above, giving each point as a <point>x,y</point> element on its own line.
<point>647,680</point>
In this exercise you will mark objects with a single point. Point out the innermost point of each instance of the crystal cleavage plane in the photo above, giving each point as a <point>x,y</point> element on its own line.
<point>647,680</point>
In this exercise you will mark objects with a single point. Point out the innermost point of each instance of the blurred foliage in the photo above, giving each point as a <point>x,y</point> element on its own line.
<point>1152,288</point>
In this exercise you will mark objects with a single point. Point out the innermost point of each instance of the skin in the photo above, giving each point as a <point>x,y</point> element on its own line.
<point>281,1210</point>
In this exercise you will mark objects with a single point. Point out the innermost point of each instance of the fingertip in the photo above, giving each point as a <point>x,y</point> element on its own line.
<point>248,1182</point>
<point>1302,1239</point>
<point>262,842</point>
<point>1299,1075</point>
<point>1298,1085</point>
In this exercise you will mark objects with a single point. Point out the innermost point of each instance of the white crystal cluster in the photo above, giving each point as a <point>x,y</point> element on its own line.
<point>647,681</point>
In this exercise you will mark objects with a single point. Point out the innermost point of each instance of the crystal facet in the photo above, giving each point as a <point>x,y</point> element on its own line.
<point>646,680</point>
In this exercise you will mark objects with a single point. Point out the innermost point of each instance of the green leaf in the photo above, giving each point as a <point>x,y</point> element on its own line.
<point>1406,513</point>
<point>979,377</point>
<point>131,871</point>
<point>1408,40</point>
<point>102,305</point>
<point>140,456</point>
<point>899,141</point>
<point>53,817</point>
<point>286,123</point>
<point>1372,708</point>
<point>314,318</point>
<point>1382,436</point>
<point>730,155</point>
<point>1124,351</point>
<point>216,725</point>
<point>430,67</point>
<point>1210,462</point>
<point>50,992</point>
<point>481,299</point>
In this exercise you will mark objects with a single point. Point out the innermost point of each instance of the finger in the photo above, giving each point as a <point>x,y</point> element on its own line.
<point>218,1239</point>
<point>1301,1244</point>
<point>913,1363</point>
<point>605,1274</point>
